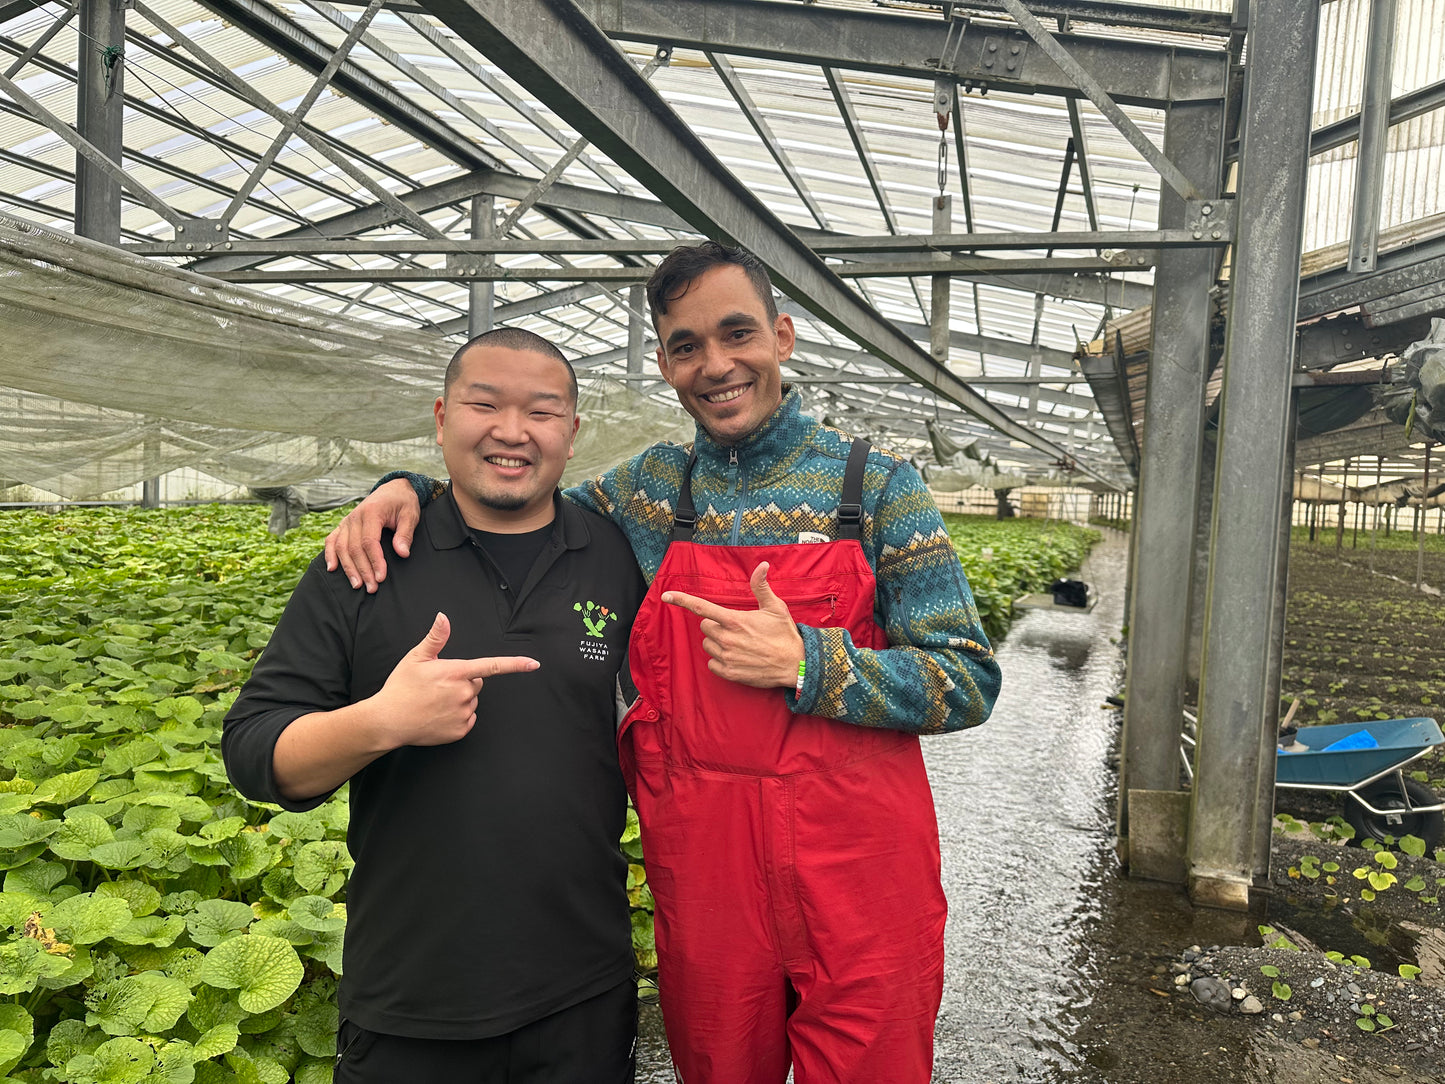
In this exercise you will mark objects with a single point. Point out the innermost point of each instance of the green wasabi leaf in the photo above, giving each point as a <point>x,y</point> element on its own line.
<point>20,830</point>
<point>321,867</point>
<point>69,1038</point>
<point>212,1008</point>
<point>302,826</point>
<point>12,1048</point>
<point>140,897</point>
<point>87,918</point>
<point>315,1029</point>
<point>247,854</point>
<point>120,854</point>
<point>266,970</point>
<point>314,1072</point>
<point>142,818</point>
<point>23,962</point>
<point>37,878</point>
<point>318,914</point>
<point>119,1061</point>
<point>214,921</point>
<point>219,1040</point>
<point>65,789</point>
<point>17,1032</point>
<point>151,930</point>
<point>170,999</point>
<point>79,835</point>
<point>130,755</point>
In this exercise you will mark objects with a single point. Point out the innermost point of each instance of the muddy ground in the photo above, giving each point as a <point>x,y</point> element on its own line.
<point>1358,646</point>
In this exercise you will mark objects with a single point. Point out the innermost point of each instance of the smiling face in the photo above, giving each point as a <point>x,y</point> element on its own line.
<point>506,427</point>
<point>722,354</point>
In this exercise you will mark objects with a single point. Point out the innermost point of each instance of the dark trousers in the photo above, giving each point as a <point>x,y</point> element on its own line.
<point>589,1043</point>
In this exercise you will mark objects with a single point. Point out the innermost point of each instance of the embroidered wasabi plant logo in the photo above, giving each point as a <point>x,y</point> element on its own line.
<point>595,617</point>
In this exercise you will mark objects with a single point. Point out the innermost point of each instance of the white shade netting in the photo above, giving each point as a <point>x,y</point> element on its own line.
<point>114,369</point>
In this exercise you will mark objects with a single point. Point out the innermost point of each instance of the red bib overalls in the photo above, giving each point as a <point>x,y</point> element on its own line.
<point>794,859</point>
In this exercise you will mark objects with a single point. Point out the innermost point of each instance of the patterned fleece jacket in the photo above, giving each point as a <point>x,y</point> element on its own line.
<point>785,478</point>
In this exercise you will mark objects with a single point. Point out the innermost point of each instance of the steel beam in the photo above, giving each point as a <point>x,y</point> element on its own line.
<point>734,84</point>
<point>1416,103</point>
<point>481,295</point>
<point>1131,260</point>
<point>1237,707</point>
<point>1168,497</point>
<point>100,94</point>
<point>1104,13</point>
<point>1419,267</point>
<point>1087,287</point>
<point>1099,95</point>
<point>555,52</point>
<point>1130,71</point>
<point>916,246</point>
<point>44,39</point>
<point>474,268</point>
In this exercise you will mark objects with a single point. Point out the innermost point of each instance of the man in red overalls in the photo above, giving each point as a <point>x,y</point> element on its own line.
<point>806,619</point>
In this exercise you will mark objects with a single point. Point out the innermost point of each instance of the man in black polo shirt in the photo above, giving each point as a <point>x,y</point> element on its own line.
<point>488,936</point>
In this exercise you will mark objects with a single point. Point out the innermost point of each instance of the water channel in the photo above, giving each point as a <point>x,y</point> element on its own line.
<point>1025,811</point>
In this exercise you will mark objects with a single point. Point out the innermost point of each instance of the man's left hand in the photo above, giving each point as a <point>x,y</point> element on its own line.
<point>759,647</point>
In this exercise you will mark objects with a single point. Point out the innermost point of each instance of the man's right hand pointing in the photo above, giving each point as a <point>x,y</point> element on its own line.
<point>433,701</point>
<point>427,700</point>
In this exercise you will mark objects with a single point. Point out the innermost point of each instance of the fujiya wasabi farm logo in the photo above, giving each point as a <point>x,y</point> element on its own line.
<point>596,625</point>
<point>595,618</point>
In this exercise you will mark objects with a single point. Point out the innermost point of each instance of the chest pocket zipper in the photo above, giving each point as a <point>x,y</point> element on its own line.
<point>809,605</point>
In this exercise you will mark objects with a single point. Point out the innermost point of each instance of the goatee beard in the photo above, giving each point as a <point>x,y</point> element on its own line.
<point>501,502</point>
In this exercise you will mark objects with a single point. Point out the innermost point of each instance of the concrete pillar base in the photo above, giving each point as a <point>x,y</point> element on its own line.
<point>1228,892</point>
<point>1158,835</point>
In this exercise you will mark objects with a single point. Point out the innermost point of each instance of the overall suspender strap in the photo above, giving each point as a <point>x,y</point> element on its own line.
<point>684,517</point>
<point>850,509</point>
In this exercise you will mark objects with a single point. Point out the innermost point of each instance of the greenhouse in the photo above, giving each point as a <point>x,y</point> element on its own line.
<point>1149,297</point>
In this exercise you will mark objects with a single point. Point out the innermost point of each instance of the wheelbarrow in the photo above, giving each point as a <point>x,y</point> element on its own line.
<point>1365,762</point>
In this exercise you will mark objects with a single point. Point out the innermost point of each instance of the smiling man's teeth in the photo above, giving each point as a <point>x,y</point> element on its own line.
<point>725,396</point>
<point>503,461</point>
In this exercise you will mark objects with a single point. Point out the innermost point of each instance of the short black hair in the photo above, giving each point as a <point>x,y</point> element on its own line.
<point>509,338</point>
<point>686,263</point>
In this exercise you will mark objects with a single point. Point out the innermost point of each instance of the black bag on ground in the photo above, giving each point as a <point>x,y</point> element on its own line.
<point>1070,593</point>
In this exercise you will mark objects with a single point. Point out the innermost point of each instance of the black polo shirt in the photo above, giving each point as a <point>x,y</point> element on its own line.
<point>489,888</point>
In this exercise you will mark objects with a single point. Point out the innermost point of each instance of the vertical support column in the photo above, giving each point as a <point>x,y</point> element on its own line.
<point>150,489</point>
<point>1274,666</point>
<point>100,97</point>
<point>1244,562</point>
<point>636,299</point>
<point>482,295</point>
<point>1167,501</point>
<point>1374,135</point>
<point>1424,497</point>
<point>1340,520</point>
<point>938,313</point>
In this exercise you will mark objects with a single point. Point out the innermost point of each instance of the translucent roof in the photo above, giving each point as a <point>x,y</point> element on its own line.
<point>414,111</point>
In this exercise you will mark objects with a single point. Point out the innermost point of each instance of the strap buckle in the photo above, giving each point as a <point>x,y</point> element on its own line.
<point>850,513</point>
